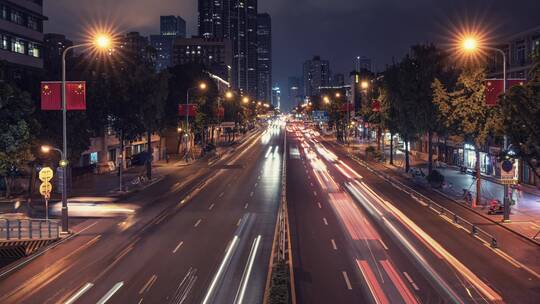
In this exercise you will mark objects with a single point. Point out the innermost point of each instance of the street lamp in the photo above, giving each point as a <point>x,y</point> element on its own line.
<point>364,85</point>
<point>229,95</point>
<point>338,95</point>
<point>202,86</point>
<point>326,100</point>
<point>245,100</point>
<point>472,46</point>
<point>100,41</point>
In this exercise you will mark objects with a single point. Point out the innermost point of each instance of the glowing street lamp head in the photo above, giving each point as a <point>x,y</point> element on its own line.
<point>326,99</point>
<point>229,95</point>
<point>470,44</point>
<point>45,149</point>
<point>338,95</point>
<point>364,85</point>
<point>103,41</point>
<point>202,86</point>
<point>245,99</point>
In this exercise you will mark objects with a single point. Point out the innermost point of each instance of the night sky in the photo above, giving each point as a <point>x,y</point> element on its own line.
<point>338,30</point>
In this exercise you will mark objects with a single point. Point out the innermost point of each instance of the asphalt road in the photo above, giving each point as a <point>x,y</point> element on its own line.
<point>365,242</point>
<point>200,236</point>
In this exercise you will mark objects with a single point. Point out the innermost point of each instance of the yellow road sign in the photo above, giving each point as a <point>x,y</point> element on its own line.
<point>45,188</point>
<point>46,174</point>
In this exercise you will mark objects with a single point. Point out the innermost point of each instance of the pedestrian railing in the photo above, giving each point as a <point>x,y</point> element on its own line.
<point>457,220</point>
<point>28,229</point>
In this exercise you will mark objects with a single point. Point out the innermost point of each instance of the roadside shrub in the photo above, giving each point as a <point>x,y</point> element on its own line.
<point>279,289</point>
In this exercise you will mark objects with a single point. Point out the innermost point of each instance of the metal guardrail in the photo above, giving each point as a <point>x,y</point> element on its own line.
<point>473,229</point>
<point>28,229</point>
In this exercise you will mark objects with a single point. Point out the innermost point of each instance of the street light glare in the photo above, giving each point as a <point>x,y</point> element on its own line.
<point>470,44</point>
<point>202,86</point>
<point>103,41</point>
<point>229,95</point>
<point>45,149</point>
<point>364,84</point>
<point>245,100</point>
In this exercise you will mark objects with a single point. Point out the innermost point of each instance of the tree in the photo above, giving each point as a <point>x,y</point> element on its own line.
<point>520,110</point>
<point>464,113</point>
<point>16,123</point>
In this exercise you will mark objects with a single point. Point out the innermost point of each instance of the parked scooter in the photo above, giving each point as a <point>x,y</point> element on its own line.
<point>495,207</point>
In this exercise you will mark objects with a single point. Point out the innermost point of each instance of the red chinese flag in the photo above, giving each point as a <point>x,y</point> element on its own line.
<point>192,110</point>
<point>375,106</point>
<point>51,96</point>
<point>494,87</point>
<point>221,112</point>
<point>76,95</point>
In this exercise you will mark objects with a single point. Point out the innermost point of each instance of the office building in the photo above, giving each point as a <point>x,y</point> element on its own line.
<point>214,53</point>
<point>316,73</point>
<point>338,79</point>
<point>21,39</point>
<point>235,20</point>
<point>276,97</point>
<point>294,88</point>
<point>264,57</point>
<point>171,27</point>
<point>135,47</point>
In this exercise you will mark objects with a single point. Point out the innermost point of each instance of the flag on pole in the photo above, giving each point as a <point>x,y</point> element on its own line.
<point>51,96</point>
<point>494,87</point>
<point>191,109</point>
<point>76,95</point>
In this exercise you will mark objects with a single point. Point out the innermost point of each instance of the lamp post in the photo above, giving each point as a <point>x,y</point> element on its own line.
<point>471,45</point>
<point>101,41</point>
<point>202,87</point>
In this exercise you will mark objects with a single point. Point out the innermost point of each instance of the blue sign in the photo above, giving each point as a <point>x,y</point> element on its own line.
<point>320,116</point>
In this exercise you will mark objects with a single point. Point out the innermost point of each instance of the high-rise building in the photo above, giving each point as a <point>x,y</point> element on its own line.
<point>264,57</point>
<point>53,47</point>
<point>235,20</point>
<point>171,27</point>
<point>21,38</point>
<point>294,90</point>
<point>214,53</point>
<point>338,80</point>
<point>276,97</point>
<point>316,74</point>
<point>134,46</point>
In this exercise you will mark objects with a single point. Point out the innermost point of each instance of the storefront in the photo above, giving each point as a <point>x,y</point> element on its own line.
<point>528,176</point>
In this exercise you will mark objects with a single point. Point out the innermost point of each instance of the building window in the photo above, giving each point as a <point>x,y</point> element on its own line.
<point>33,23</point>
<point>17,17</point>
<point>17,46</point>
<point>4,42</point>
<point>33,50</point>
<point>3,11</point>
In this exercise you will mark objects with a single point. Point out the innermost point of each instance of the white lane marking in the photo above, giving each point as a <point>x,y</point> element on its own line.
<point>383,244</point>
<point>251,194</point>
<point>148,284</point>
<point>246,205</point>
<point>225,261</point>
<point>411,281</point>
<point>311,184</point>
<point>256,184</point>
<point>247,271</point>
<point>315,193</point>
<point>347,281</point>
<point>110,293</point>
<point>239,221</point>
<point>325,221</point>
<point>197,223</point>
<point>211,206</point>
<point>178,246</point>
<point>334,246</point>
<point>140,301</point>
<point>259,177</point>
<point>79,293</point>
<point>221,194</point>
<point>319,204</point>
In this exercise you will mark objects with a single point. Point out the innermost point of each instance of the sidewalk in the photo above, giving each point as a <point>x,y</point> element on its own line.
<point>525,214</point>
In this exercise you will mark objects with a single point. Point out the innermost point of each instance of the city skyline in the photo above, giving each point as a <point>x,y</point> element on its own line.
<point>297,37</point>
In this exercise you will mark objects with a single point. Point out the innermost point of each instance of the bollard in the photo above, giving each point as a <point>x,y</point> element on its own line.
<point>30,229</point>
<point>455,219</point>
<point>19,228</point>
<point>49,228</point>
<point>474,230</point>
<point>39,226</point>
<point>493,243</point>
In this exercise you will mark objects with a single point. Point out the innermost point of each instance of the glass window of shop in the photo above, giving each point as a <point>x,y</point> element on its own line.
<point>469,156</point>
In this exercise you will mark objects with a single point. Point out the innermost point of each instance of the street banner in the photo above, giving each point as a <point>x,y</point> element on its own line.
<point>221,112</point>
<point>51,95</point>
<point>76,95</point>
<point>375,106</point>
<point>192,109</point>
<point>494,88</point>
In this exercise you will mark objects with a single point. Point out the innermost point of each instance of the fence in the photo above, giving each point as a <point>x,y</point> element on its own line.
<point>28,229</point>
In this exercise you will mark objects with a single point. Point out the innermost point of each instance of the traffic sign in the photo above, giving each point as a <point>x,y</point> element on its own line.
<point>508,172</point>
<point>45,188</point>
<point>46,174</point>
